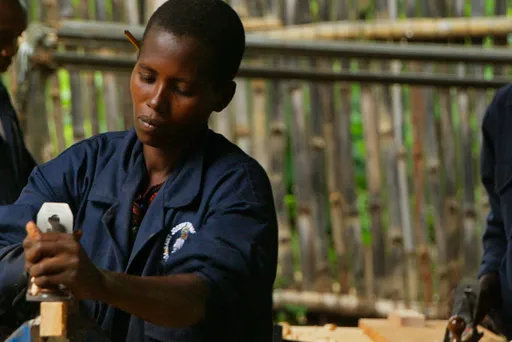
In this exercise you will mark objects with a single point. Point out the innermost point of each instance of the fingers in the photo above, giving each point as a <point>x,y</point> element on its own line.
<point>51,281</point>
<point>43,248</point>
<point>53,266</point>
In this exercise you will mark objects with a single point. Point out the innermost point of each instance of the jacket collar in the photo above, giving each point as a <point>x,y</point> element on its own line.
<point>182,187</point>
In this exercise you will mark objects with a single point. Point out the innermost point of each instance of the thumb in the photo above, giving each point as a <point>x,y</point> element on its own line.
<point>32,230</point>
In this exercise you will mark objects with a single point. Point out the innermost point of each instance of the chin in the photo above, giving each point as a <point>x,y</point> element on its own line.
<point>152,140</point>
<point>147,139</point>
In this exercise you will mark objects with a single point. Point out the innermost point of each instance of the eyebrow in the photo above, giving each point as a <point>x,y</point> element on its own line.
<point>147,67</point>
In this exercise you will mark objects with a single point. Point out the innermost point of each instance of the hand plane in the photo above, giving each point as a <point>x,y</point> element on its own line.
<point>461,325</point>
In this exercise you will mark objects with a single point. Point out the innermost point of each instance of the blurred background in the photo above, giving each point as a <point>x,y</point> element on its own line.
<point>365,114</point>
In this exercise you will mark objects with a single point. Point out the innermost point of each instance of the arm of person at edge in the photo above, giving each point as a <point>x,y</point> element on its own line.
<point>55,181</point>
<point>235,249</point>
<point>494,239</point>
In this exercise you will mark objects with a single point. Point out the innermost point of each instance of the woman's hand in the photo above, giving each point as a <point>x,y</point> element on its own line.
<point>55,259</point>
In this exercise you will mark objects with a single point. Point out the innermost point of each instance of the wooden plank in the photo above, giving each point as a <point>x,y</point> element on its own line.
<point>407,318</point>
<point>325,333</point>
<point>54,316</point>
<point>380,330</point>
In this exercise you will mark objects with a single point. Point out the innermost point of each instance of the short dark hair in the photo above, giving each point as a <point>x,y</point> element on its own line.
<point>18,4</point>
<point>213,22</point>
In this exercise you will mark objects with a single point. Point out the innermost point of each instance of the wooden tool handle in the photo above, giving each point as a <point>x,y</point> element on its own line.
<point>456,325</point>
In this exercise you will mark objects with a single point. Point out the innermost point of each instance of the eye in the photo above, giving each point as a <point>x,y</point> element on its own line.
<point>182,90</point>
<point>146,77</point>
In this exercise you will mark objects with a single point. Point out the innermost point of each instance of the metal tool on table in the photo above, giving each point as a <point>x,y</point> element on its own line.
<point>461,326</point>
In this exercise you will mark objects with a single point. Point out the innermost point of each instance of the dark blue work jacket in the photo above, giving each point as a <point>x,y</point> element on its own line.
<point>496,173</point>
<point>16,162</point>
<point>219,194</point>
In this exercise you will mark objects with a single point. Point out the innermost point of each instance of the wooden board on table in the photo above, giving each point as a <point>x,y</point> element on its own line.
<point>381,330</point>
<point>323,334</point>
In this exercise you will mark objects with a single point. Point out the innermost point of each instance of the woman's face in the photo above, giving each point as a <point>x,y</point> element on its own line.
<point>171,89</point>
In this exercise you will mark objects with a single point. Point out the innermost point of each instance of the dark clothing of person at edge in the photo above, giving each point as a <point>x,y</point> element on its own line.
<point>175,230</point>
<point>495,273</point>
<point>17,162</point>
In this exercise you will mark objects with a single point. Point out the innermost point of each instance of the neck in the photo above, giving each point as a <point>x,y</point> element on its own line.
<point>160,162</point>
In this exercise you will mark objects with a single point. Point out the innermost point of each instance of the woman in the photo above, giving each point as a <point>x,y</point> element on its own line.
<point>134,193</point>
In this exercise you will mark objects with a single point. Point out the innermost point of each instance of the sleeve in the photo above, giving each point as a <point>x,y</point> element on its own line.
<point>235,250</point>
<point>494,239</point>
<point>55,181</point>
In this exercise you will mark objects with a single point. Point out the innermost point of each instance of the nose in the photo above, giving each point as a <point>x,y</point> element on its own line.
<point>159,100</point>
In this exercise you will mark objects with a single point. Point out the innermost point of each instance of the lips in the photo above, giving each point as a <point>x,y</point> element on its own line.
<point>149,123</point>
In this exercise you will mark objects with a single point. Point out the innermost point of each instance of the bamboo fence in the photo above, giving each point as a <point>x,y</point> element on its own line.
<point>372,153</point>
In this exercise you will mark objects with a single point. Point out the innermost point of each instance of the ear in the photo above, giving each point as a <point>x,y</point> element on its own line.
<point>225,96</point>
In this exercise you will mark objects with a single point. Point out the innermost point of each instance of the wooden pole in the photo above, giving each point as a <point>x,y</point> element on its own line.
<point>321,106</point>
<point>393,281</point>
<point>470,238</point>
<point>410,29</point>
<point>433,176</point>
<point>352,306</point>
<point>355,256</point>
<point>300,136</point>
<point>277,169</point>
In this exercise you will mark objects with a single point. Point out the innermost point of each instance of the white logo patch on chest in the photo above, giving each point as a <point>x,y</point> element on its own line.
<point>185,229</point>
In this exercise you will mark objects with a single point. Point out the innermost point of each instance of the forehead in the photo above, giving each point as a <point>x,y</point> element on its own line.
<point>170,53</point>
<point>12,18</point>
